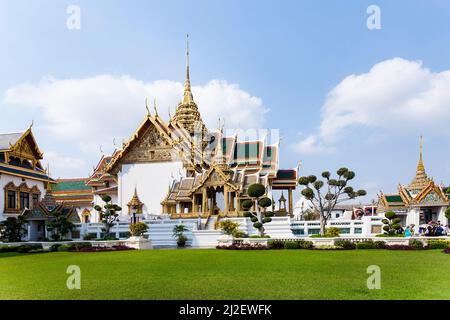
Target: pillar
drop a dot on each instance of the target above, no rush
(226, 199)
(204, 201)
(291, 206)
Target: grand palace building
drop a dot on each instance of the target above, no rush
(174, 169)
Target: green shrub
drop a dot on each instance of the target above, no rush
(90, 236)
(305, 244)
(138, 229)
(365, 245)
(8, 249)
(416, 244)
(291, 245)
(239, 234)
(54, 247)
(438, 244)
(332, 232)
(275, 244)
(64, 248)
(379, 244)
(229, 226)
(259, 237)
(25, 248)
(345, 244)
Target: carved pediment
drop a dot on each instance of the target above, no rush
(149, 146)
(432, 194)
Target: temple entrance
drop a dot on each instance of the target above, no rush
(216, 200)
(36, 230)
(428, 214)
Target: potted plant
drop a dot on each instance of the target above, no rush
(178, 234)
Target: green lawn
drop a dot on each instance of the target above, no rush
(217, 274)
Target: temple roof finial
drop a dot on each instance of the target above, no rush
(154, 106)
(187, 85)
(146, 106)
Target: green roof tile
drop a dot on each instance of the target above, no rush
(70, 185)
(394, 198)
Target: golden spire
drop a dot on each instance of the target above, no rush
(187, 114)
(420, 166)
(187, 85)
(421, 179)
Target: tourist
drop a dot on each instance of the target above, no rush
(408, 232)
(439, 231)
(446, 230)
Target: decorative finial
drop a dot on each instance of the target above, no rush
(187, 98)
(154, 106)
(101, 150)
(170, 115)
(114, 143)
(146, 106)
(421, 146)
(420, 166)
(31, 124)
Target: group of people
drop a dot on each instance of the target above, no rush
(431, 229)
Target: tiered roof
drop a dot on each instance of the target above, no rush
(74, 192)
(20, 156)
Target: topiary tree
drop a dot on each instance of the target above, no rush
(259, 216)
(391, 223)
(324, 196)
(108, 215)
(12, 229)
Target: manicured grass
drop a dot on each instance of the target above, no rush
(217, 274)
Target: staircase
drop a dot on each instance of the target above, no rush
(210, 223)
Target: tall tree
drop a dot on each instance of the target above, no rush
(324, 196)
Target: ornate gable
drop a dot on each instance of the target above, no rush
(431, 194)
(216, 177)
(148, 144)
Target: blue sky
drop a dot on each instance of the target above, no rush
(289, 54)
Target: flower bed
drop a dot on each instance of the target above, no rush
(243, 246)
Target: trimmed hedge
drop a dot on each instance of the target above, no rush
(345, 244)
(438, 244)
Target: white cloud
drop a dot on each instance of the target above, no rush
(396, 95)
(90, 112)
(60, 163)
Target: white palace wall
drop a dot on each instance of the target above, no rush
(151, 181)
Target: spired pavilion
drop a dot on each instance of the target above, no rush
(419, 202)
(181, 169)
